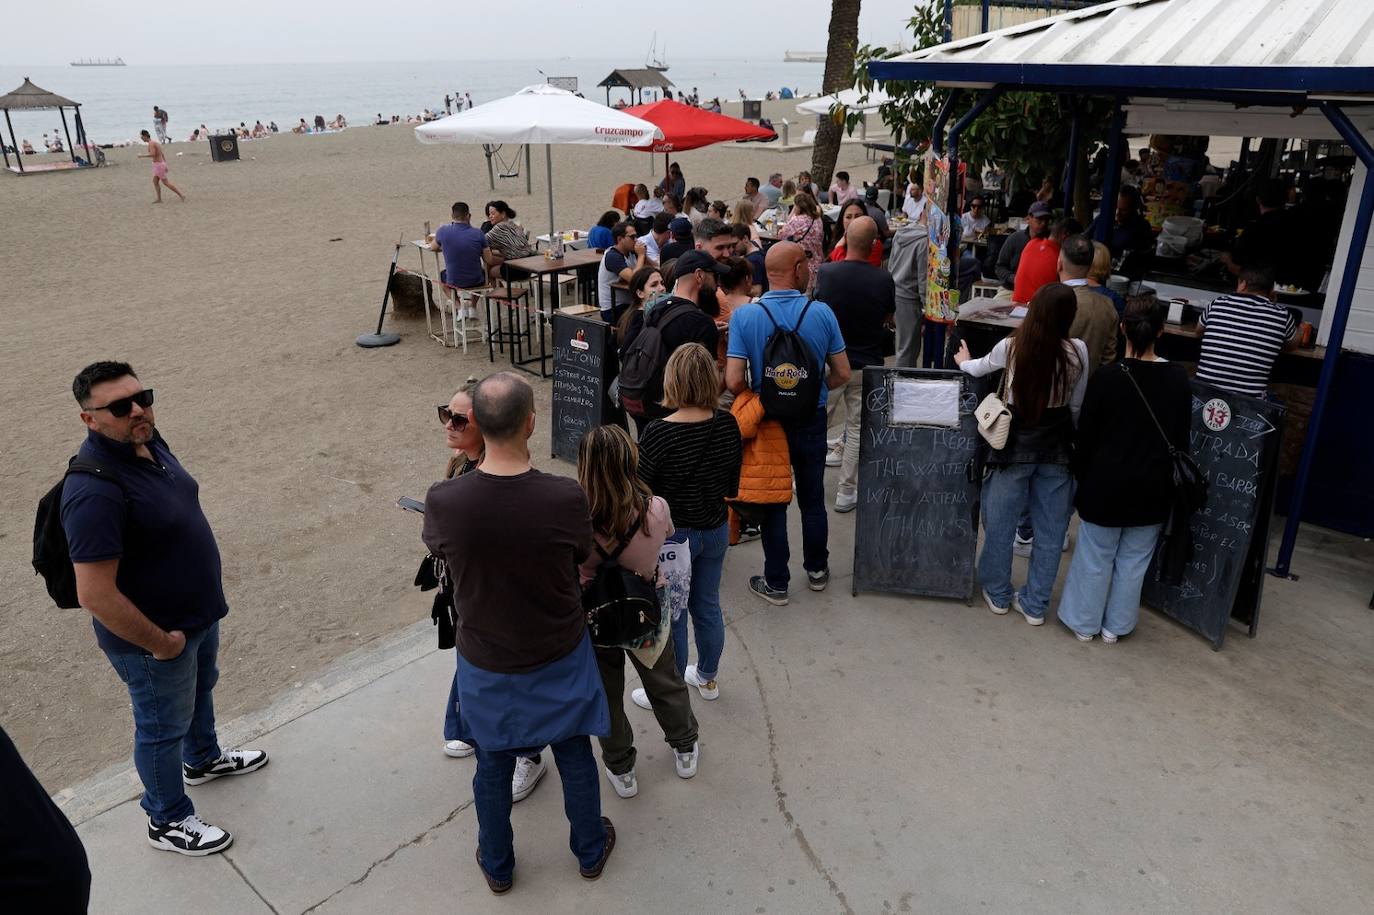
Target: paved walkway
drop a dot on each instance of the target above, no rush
(870, 755)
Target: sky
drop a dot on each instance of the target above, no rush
(307, 31)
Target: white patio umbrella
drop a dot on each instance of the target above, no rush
(849, 98)
(541, 114)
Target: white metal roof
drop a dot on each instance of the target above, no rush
(1268, 42)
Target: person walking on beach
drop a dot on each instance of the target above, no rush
(160, 124)
(159, 167)
(527, 674)
(148, 571)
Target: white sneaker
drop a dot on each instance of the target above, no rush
(687, 762)
(846, 503)
(193, 837)
(708, 688)
(1087, 638)
(457, 749)
(834, 457)
(231, 762)
(992, 604)
(1033, 620)
(527, 776)
(626, 785)
(1022, 545)
(1109, 638)
(641, 698)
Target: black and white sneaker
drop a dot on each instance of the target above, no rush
(234, 762)
(191, 836)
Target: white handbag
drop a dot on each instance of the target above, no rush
(994, 419)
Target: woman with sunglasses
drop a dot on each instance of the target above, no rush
(467, 447)
(624, 509)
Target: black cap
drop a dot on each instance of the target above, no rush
(1041, 209)
(698, 260)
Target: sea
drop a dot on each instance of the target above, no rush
(117, 102)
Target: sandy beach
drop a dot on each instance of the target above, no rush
(240, 308)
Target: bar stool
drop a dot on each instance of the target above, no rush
(500, 333)
(458, 315)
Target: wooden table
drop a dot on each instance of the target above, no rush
(535, 267)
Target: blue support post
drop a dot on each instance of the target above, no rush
(955, 202)
(986, 5)
(949, 21)
(1111, 181)
(1359, 238)
(1075, 140)
(937, 132)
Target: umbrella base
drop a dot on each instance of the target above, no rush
(371, 341)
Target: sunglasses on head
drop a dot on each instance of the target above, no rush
(447, 417)
(125, 405)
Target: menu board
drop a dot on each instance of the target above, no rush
(1235, 441)
(916, 526)
(579, 380)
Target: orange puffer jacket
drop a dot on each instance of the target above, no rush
(765, 476)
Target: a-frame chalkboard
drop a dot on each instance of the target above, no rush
(916, 528)
(1236, 444)
(579, 381)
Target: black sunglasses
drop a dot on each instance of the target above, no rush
(125, 405)
(448, 417)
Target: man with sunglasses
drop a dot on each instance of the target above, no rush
(148, 570)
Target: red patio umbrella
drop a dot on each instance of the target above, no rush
(688, 127)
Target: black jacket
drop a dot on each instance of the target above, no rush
(1122, 463)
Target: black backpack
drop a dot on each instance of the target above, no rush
(791, 384)
(641, 365)
(622, 607)
(51, 557)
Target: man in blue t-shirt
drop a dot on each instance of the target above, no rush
(465, 250)
(750, 328)
(148, 570)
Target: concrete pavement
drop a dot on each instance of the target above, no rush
(870, 755)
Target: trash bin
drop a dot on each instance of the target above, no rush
(224, 148)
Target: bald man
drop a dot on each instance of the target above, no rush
(784, 305)
(864, 299)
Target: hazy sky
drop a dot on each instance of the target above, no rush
(255, 31)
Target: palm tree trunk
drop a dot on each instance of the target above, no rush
(839, 74)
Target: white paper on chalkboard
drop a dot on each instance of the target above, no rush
(925, 402)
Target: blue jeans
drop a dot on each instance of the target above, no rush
(1108, 569)
(708, 549)
(451, 710)
(174, 719)
(491, 794)
(806, 442)
(1048, 490)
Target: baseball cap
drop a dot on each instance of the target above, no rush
(1040, 208)
(681, 227)
(698, 260)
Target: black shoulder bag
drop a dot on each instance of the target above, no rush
(622, 606)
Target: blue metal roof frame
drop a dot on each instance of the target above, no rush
(1289, 50)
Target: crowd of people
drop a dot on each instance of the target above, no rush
(738, 385)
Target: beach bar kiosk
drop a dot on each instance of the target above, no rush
(1250, 68)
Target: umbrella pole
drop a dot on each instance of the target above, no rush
(374, 340)
(18, 153)
(491, 175)
(529, 187)
(548, 166)
(71, 150)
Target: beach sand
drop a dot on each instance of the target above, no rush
(240, 308)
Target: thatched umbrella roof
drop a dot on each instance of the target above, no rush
(29, 96)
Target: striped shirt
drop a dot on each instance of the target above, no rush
(1241, 337)
(694, 467)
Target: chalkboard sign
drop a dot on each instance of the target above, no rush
(916, 528)
(579, 380)
(1235, 441)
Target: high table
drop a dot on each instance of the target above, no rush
(536, 267)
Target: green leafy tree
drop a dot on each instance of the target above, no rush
(1025, 134)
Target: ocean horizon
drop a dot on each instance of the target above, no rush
(117, 102)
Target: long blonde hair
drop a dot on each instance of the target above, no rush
(608, 470)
